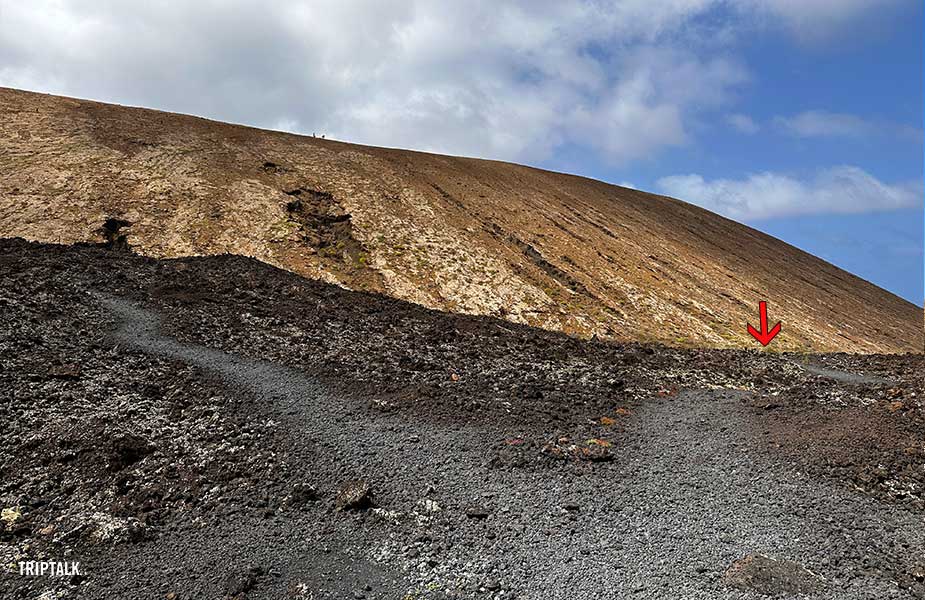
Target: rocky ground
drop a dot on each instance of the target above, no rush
(217, 428)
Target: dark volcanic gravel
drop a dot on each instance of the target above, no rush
(217, 428)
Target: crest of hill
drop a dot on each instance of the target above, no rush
(474, 236)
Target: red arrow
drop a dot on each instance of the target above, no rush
(764, 336)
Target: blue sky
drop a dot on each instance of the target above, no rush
(874, 82)
(802, 119)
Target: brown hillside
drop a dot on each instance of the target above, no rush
(474, 236)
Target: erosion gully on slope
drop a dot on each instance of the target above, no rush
(683, 499)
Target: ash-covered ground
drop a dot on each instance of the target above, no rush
(218, 428)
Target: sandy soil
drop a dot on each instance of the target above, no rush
(546, 249)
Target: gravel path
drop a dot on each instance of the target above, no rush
(841, 376)
(687, 494)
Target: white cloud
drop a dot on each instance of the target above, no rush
(511, 80)
(743, 124)
(651, 106)
(843, 189)
(819, 20)
(819, 123)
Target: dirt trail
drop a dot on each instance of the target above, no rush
(841, 376)
(686, 495)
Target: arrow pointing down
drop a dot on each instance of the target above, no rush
(764, 336)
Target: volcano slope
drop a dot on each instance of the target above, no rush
(218, 428)
(463, 235)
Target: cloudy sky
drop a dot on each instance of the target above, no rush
(802, 118)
